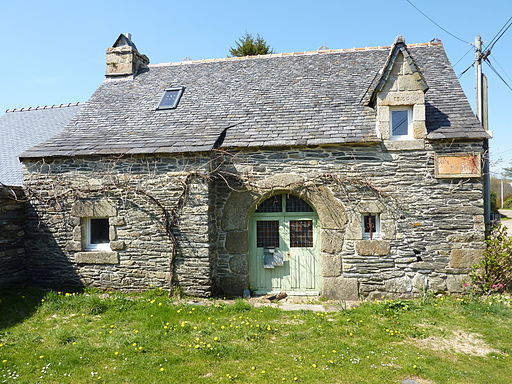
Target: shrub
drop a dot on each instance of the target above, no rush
(494, 272)
(507, 204)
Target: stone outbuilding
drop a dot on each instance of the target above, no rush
(343, 173)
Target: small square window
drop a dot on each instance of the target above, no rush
(371, 226)
(170, 98)
(401, 121)
(96, 232)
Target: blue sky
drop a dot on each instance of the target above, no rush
(53, 52)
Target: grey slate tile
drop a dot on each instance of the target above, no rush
(22, 129)
(268, 101)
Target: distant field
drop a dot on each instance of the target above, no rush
(50, 337)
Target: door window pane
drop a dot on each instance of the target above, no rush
(301, 233)
(296, 204)
(272, 204)
(267, 234)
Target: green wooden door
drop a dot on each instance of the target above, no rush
(285, 226)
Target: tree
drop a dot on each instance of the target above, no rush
(507, 173)
(248, 45)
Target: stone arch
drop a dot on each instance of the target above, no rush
(239, 207)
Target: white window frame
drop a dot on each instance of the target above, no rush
(376, 234)
(409, 135)
(87, 236)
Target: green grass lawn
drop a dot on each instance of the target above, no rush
(50, 337)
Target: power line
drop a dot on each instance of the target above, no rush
(458, 61)
(497, 74)
(498, 35)
(467, 69)
(448, 32)
(501, 67)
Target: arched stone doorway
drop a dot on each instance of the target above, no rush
(284, 251)
(233, 271)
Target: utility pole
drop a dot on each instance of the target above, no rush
(481, 113)
(501, 200)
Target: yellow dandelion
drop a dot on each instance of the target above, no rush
(4, 361)
(41, 356)
(314, 365)
(116, 353)
(295, 378)
(162, 369)
(134, 344)
(263, 371)
(252, 368)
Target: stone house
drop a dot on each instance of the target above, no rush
(345, 173)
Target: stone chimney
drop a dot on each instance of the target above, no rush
(123, 58)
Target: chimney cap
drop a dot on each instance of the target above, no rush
(124, 39)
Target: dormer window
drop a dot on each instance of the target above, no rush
(401, 123)
(170, 98)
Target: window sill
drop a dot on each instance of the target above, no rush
(97, 257)
(373, 247)
(404, 144)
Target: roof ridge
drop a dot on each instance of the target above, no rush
(304, 53)
(55, 106)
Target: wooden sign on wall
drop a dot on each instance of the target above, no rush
(457, 165)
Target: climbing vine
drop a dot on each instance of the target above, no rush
(128, 182)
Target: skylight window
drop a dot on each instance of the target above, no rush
(171, 98)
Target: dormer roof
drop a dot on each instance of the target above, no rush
(379, 81)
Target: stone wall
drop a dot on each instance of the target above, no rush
(432, 229)
(12, 221)
(133, 194)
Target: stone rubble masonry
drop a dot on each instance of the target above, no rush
(431, 229)
(140, 247)
(12, 223)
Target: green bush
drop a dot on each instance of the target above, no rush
(494, 272)
(507, 204)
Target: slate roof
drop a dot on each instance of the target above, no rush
(306, 98)
(23, 128)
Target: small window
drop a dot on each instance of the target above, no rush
(401, 121)
(371, 226)
(96, 234)
(171, 98)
